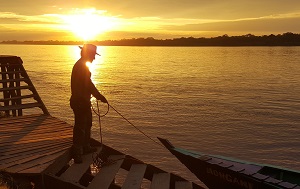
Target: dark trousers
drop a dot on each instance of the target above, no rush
(82, 129)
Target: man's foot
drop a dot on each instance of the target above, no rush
(89, 149)
(77, 158)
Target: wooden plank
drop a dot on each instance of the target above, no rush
(12, 72)
(161, 181)
(24, 118)
(28, 122)
(16, 88)
(36, 137)
(34, 124)
(183, 185)
(47, 158)
(54, 128)
(151, 170)
(21, 106)
(23, 159)
(76, 171)
(10, 60)
(107, 174)
(58, 127)
(15, 158)
(30, 152)
(59, 163)
(36, 169)
(135, 176)
(41, 145)
(18, 98)
(18, 84)
(35, 129)
(42, 138)
(12, 148)
(16, 141)
(31, 123)
(53, 182)
(13, 80)
(17, 136)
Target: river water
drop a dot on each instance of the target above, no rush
(240, 102)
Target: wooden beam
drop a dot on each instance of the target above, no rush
(13, 80)
(59, 164)
(12, 149)
(7, 120)
(107, 173)
(76, 171)
(135, 176)
(161, 181)
(31, 161)
(183, 185)
(53, 182)
(17, 98)
(11, 72)
(16, 88)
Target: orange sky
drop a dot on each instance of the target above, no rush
(119, 19)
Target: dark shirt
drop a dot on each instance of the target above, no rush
(82, 86)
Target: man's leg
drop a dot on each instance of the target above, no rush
(78, 135)
(86, 146)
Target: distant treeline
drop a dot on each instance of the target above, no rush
(285, 39)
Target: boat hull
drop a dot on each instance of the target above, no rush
(217, 172)
(216, 177)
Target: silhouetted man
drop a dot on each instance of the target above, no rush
(82, 88)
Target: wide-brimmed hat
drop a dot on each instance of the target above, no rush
(90, 48)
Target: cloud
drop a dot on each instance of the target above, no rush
(275, 23)
(34, 35)
(157, 18)
(13, 18)
(200, 9)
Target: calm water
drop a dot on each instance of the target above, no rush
(241, 102)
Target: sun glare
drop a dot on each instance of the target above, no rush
(87, 24)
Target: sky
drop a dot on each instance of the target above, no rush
(79, 20)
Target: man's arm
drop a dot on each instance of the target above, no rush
(96, 93)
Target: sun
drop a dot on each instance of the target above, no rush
(87, 24)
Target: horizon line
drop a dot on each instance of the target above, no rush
(152, 38)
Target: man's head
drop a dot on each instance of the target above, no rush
(89, 51)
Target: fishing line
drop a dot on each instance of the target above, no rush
(134, 126)
(108, 108)
(101, 160)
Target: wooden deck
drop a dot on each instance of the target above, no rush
(29, 144)
(124, 172)
(38, 146)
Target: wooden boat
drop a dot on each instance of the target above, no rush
(220, 172)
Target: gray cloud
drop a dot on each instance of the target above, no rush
(261, 25)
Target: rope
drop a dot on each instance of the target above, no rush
(99, 120)
(135, 126)
(98, 112)
(101, 160)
